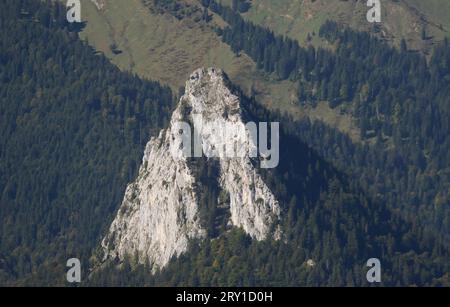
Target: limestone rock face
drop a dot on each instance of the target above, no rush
(160, 211)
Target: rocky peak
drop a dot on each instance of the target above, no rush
(160, 211)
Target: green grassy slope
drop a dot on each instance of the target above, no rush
(400, 18)
(164, 48)
(160, 46)
(436, 10)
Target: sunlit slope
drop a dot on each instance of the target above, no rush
(161, 47)
(156, 46)
(400, 19)
(437, 11)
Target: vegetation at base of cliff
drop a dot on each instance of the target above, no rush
(235, 260)
(326, 218)
(214, 209)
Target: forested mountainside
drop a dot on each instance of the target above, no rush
(73, 129)
(401, 103)
(73, 134)
(421, 23)
(330, 228)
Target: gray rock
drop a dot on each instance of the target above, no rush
(160, 211)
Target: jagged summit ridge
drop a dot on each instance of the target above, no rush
(160, 211)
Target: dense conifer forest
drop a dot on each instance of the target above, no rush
(327, 218)
(73, 129)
